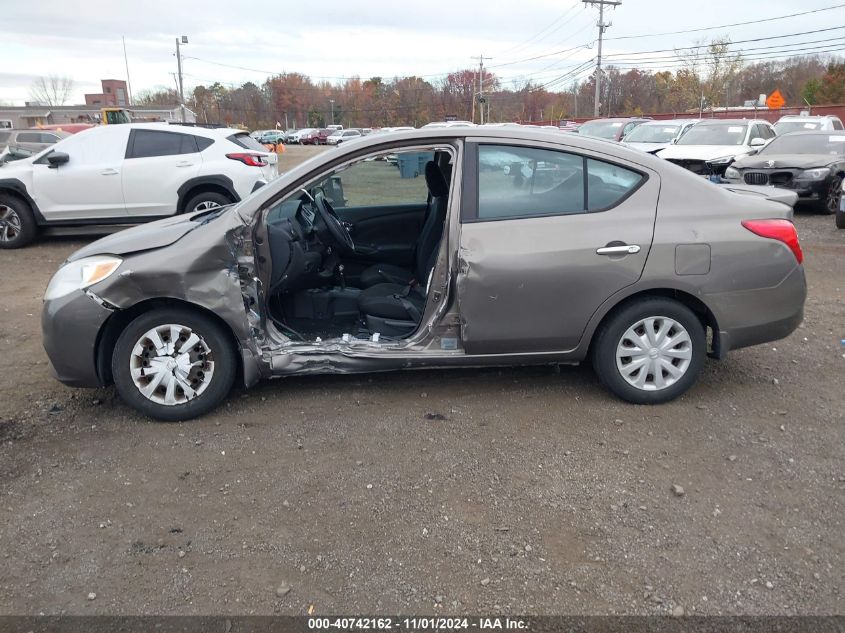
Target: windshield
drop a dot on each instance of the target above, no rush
(718, 134)
(652, 133)
(833, 144)
(785, 127)
(601, 129)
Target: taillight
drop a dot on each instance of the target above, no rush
(253, 160)
(781, 230)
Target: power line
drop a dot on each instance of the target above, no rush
(725, 26)
(546, 28)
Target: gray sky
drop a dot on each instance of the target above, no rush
(335, 39)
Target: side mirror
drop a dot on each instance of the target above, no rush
(757, 142)
(57, 158)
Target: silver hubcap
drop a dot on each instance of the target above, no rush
(206, 206)
(171, 365)
(10, 223)
(654, 353)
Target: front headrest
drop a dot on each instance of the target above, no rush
(436, 181)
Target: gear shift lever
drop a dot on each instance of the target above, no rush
(342, 278)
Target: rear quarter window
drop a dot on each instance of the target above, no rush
(247, 142)
(609, 184)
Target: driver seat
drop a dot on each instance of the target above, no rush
(429, 240)
(395, 309)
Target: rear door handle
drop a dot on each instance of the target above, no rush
(184, 163)
(109, 172)
(622, 249)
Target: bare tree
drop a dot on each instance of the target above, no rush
(53, 90)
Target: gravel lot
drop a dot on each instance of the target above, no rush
(516, 490)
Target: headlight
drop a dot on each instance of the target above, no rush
(732, 173)
(815, 174)
(81, 274)
(721, 161)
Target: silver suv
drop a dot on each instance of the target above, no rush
(31, 141)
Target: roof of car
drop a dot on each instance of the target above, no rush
(732, 121)
(815, 133)
(211, 132)
(805, 117)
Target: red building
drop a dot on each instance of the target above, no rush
(114, 94)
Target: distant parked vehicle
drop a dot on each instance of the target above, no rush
(611, 129)
(273, 137)
(296, 137)
(341, 136)
(654, 136)
(792, 123)
(126, 174)
(30, 140)
(710, 146)
(335, 127)
(812, 164)
(448, 124)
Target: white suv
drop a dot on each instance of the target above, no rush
(804, 123)
(125, 174)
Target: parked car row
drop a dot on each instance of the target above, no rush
(805, 154)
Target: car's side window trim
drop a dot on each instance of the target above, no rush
(470, 195)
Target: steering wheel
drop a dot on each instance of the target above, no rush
(342, 238)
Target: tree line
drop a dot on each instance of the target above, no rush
(707, 76)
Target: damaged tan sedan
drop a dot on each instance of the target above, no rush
(434, 248)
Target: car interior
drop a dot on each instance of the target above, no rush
(352, 253)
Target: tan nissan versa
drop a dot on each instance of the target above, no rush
(434, 248)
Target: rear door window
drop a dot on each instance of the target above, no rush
(29, 137)
(148, 143)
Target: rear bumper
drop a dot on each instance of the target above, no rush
(760, 316)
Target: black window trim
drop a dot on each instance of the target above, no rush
(470, 197)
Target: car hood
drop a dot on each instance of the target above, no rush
(797, 161)
(148, 236)
(649, 148)
(703, 152)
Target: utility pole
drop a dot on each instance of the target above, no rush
(602, 26)
(128, 83)
(331, 102)
(184, 40)
(480, 95)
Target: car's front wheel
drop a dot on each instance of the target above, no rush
(650, 351)
(17, 223)
(831, 203)
(174, 364)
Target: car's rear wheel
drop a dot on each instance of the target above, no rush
(17, 223)
(205, 201)
(831, 203)
(650, 351)
(174, 364)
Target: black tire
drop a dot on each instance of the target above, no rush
(18, 214)
(832, 200)
(221, 349)
(610, 335)
(209, 197)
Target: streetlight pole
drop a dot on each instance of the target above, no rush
(331, 103)
(184, 40)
